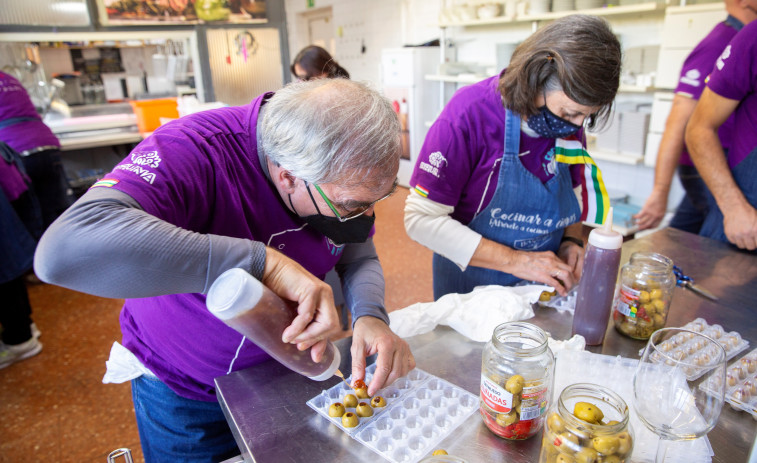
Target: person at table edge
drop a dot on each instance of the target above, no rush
(496, 219)
(284, 188)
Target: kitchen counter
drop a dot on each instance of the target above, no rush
(266, 405)
(93, 126)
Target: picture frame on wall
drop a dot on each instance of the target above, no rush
(180, 12)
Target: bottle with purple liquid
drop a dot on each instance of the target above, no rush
(245, 304)
(596, 289)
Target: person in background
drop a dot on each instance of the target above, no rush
(731, 89)
(22, 129)
(672, 152)
(284, 188)
(20, 226)
(496, 219)
(313, 62)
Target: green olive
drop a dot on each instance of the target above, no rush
(644, 297)
(555, 423)
(606, 445)
(611, 459)
(659, 305)
(655, 294)
(363, 409)
(362, 393)
(516, 401)
(336, 410)
(506, 419)
(439, 452)
(588, 412)
(659, 320)
(586, 455)
(566, 442)
(624, 443)
(562, 458)
(378, 402)
(349, 420)
(350, 401)
(514, 385)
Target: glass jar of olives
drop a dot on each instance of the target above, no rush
(643, 299)
(517, 374)
(587, 423)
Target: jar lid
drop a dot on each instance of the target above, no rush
(605, 237)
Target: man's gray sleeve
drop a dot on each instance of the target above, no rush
(362, 281)
(106, 245)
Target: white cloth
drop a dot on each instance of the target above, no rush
(123, 366)
(474, 315)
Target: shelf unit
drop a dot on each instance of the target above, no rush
(640, 8)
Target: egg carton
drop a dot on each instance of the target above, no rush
(421, 410)
(741, 384)
(684, 346)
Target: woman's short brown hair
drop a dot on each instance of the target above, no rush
(577, 54)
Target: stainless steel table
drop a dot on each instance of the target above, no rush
(266, 410)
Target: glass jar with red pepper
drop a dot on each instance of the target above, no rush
(517, 375)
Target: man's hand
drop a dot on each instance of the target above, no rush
(740, 226)
(317, 317)
(371, 335)
(653, 211)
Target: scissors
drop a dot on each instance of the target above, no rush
(686, 282)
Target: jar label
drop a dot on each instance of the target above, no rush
(495, 396)
(628, 301)
(534, 402)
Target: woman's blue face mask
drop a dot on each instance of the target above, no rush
(549, 125)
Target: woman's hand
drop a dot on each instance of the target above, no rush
(544, 267)
(317, 317)
(573, 255)
(371, 336)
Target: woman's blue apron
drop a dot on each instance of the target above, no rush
(524, 214)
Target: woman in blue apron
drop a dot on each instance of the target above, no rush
(493, 188)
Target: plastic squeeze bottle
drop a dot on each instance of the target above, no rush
(597, 286)
(246, 305)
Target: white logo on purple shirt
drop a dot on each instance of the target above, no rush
(692, 78)
(721, 61)
(150, 159)
(434, 163)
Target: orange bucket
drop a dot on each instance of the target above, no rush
(149, 112)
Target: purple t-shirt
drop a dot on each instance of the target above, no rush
(15, 102)
(696, 68)
(460, 159)
(735, 77)
(202, 173)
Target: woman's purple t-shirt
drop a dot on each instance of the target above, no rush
(459, 162)
(202, 173)
(735, 77)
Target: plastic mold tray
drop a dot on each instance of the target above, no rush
(741, 384)
(421, 410)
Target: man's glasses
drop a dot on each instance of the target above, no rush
(354, 213)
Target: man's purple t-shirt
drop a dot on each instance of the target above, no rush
(202, 173)
(459, 162)
(15, 102)
(735, 77)
(696, 68)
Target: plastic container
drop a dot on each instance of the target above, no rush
(643, 300)
(600, 273)
(421, 410)
(517, 374)
(243, 303)
(569, 438)
(149, 112)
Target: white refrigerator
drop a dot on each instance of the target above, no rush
(415, 99)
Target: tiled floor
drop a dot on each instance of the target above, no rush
(54, 407)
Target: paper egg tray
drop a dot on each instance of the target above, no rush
(741, 384)
(684, 346)
(421, 410)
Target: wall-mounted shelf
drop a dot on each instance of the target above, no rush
(649, 7)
